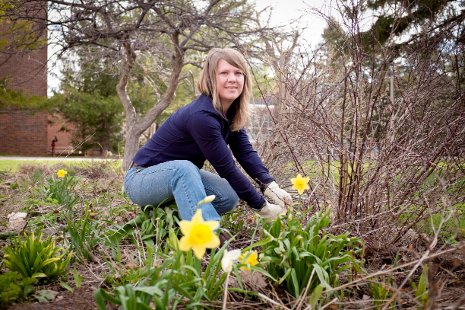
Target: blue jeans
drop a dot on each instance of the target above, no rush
(182, 181)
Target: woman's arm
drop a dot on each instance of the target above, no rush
(248, 158)
(205, 129)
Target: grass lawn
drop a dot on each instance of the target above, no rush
(12, 165)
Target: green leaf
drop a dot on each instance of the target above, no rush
(295, 282)
(39, 275)
(101, 296)
(66, 286)
(315, 296)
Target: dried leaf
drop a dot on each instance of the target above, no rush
(253, 279)
(46, 295)
(16, 221)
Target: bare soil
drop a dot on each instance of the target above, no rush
(82, 298)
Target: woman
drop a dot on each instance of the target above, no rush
(169, 165)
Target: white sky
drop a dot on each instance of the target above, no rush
(284, 13)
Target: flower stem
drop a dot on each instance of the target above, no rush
(254, 233)
(225, 296)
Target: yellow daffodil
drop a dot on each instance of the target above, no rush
(62, 173)
(249, 259)
(229, 258)
(198, 235)
(300, 183)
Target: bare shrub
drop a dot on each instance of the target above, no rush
(381, 132)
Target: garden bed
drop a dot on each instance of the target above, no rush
(121, 253)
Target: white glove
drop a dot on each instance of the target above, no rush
(278, 195)
(271, 211)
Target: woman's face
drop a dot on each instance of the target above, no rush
(229, 83)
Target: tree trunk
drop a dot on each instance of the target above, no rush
(135, 125)
(131, 145)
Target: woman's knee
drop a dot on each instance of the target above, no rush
(186, 168)
(227, 200)
(232, 201)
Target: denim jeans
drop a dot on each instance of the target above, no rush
(182, 181)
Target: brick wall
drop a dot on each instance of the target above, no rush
(26, 72)
(56, 123)
(23, 133)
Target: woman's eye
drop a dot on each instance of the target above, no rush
(225, 74)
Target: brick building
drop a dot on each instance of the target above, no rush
(25, 69)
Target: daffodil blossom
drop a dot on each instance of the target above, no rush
(227, 262)
(250, 259)
(198, 235)
(300, 183)
(207, 199)
(62, 173)
(229, 258)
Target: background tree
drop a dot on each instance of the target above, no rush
(87, 98)
(89, 101)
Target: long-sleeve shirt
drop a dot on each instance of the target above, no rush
(198, 132)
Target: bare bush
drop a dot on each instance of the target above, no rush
(381, 131)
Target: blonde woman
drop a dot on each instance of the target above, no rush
(169, 166)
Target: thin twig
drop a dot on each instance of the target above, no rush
(420, 261)
(379, 273)
(271, 301)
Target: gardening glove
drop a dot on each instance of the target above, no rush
(277, 195)
(271, 211)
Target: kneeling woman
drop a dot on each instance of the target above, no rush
(169, 166)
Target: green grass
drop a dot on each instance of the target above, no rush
(13, 165)
(453, 230)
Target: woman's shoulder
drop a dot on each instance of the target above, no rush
(202, 106)
(203, 102)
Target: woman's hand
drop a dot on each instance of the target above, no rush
(271, 211)
(278, 195)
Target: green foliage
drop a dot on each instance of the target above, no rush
(381, 292)
(59, 190)
(233, 221)
(129, 297)
(387, 26)
(187, 279)
(82, 230)
(421, 289)
(34, 257)
(13, 287)
(155, 229)
(13, 99)
(18, 34)
(98, 118)
(77, 278)
(305, 256)
(148, 271)
(452, 230)
(88, 100)
(9, 288)
(179, 278)
(152, 226)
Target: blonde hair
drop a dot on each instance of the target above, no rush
(207, 83)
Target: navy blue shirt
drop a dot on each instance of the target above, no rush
(198, 132)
